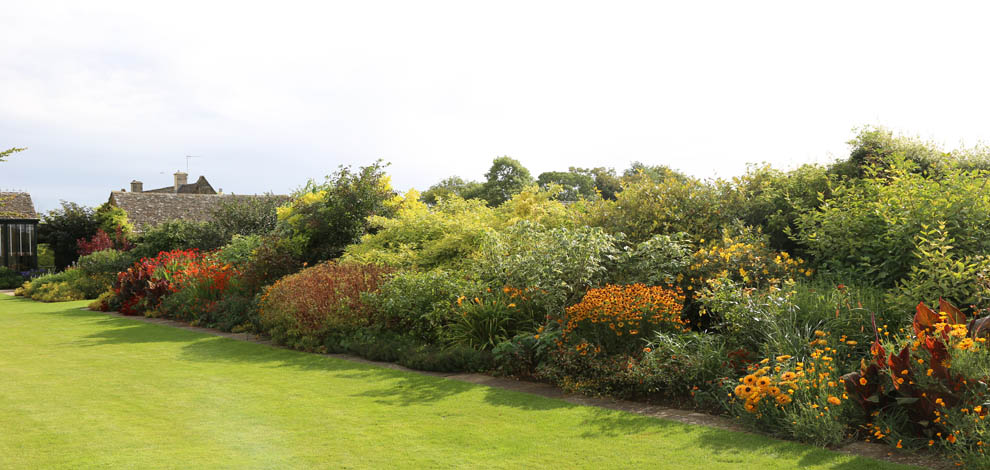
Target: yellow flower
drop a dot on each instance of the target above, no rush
(783, 399)
(834, 400)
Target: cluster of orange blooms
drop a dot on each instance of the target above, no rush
(627, 310)
(760, 385)
(779, 383)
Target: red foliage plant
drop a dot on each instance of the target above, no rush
(918, 377)
(302, 308)
(101, 241)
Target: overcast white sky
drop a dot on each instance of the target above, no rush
(272, 93)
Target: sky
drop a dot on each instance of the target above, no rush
(270, 94)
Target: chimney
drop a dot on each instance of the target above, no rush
(137, 186)
(180, 179)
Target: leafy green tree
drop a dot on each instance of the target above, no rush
(505, 178)
(656, 173)
(247, 216)
(574, 186)
(606, 182)
(452, 186)
(323, 218)
(110, 217)
(62, 227)
(6, 153)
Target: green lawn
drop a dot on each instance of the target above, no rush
(80, 389)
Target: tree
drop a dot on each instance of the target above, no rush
(323, 218)
(657, 173)
(452, 186)
(247, 215)
(606, 182)
(575, 185)
(6, 153)
(61, 228)
(504, 179)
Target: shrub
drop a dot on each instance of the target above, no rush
(743, 255)
(423, 303)
(239, 250)
(666, 205)
(867, 230)
(323, 218)
(656, 261)
(10, 279)
(178, 235)
(60, 228)
(940, 271)
(275, 257)
(57, 287)
(303, 310)
(555, 266)
(772, 199)
(444, 236)
(679, 364)
(523, 354)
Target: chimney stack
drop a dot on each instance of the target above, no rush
(180, 179)
(137, 186)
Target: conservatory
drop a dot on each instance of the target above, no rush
(18, 232)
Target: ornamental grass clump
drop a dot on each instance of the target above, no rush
(306, 309)
(491, 317)
(927, 387)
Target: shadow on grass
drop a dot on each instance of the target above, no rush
(722, 444)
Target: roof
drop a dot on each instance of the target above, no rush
(17, 206)
(146, 210)
(201, 186)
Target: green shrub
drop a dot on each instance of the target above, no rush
(656, 261)
(685, 364)
(239, 250)
(71, 284)
(324, 218)
(10, 279)
(668, 205)
(555, 266)
(523, 354)
(178, 235)
(421, 237)
(423, 303)
(940, 273)
(866, 231)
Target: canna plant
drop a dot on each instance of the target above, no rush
(917, 385)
